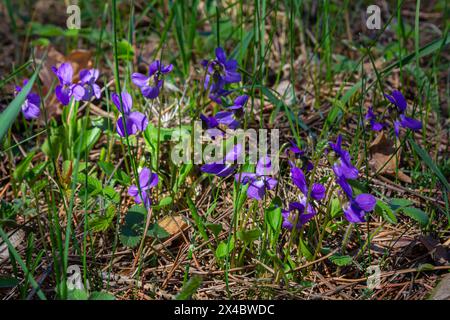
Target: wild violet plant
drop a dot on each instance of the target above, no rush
(221, 72)
(398, 114)
(358, 206)
(300, 212)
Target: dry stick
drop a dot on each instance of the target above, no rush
(395, 272)
(141, 246)
(175, 266)
(313, 262)
(400, 188)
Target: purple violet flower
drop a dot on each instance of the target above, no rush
(222, 117)
(31, 106)
(225, 167)
(345, 165)
(220, 71)
(376, 126)
(217, 95)
(86, 88)
(299, 179)
(64, 90)
(399, 101)
(260, 181)
(307, 165)
(295, 149)
(150, 85)
(211, 122)
(297, 208)
(239, 103)
(358, 207)
(227, 118)
(134, 121)
(147, 180)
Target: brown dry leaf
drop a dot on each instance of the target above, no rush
(80, 59)
(15, 238)
(172, 224)
(382, 161)
(442, 290)
(436, 250)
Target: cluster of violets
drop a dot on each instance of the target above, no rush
(300, 212)
(358, 206)
(397, 112)
(130, 123)
(219, 73)
(83, 90)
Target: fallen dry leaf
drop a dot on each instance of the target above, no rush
(436, 250)
(382, 160)
(15, 238)
(172, 224)
(442, 290)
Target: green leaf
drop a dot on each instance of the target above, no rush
(397, 203)
(240, 50)
(223, 249)
(341, 260)
(425, 267)
(11, 112)
(197, 219)
(94, 186)
(131, 231)
(101, 223)
(22, 167)
(336, 110)
(189, 288)
(122, 177)
(55, 140)
(77, 294)
(89, 139)
(106, 167)
(101, 295)
(273, 215)
(416, 214)
(385, 211)
(111, 194)
(336, 208)
(47, 30)
(305, 250)
(184, 171)
(249, 236)
(164, 202)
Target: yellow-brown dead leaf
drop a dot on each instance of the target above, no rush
(382, 160)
